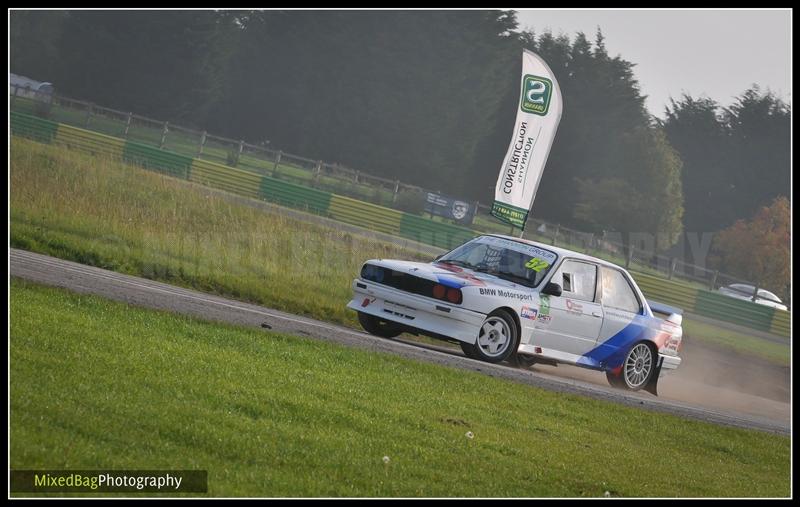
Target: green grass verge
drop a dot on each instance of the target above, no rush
(778, 353)
(108, 214)
(99, 384)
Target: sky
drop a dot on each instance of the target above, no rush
(716, 53)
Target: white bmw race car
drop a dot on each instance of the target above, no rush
(503, 298)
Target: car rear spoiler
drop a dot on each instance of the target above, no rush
(675, 315)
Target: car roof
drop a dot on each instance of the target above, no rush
(562, 252)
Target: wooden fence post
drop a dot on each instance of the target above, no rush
(396, 190)
(277, 161)
(164, 135)
(88, 114)
(555, 235)
(629, 257)
(713, 280)
(128, 125)
(202, 143)
(317, 170)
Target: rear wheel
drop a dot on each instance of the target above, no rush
(497, 338)
(378, 327)
(637, 369)
(615, 380)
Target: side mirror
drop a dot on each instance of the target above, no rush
(552, 289)
(438, 257)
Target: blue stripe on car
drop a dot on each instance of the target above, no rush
(611, 353)
(449, 282)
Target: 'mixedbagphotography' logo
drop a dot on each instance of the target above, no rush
(536, 93)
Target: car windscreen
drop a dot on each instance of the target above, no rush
(745, 290)
(765, 294)
(510, 260)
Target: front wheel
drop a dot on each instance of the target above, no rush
(523, 361)
(375, 326)
(497, 338)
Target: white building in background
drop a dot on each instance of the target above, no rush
(30, 88)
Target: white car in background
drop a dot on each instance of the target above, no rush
(745, 292)
(503, 298)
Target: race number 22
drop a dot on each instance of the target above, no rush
(536, 264)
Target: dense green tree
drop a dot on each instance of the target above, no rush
(736, 159)
(645, 197)
(405, 94)
(34, 48)
(695, 129)
(760, 129)
(155, 63)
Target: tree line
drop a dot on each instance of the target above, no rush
(427, 97)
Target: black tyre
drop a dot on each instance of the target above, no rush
(498, 338)
(378, 327)
(615, 380)
(469, 350)
(523, 361)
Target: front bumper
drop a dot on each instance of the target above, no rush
(419, 312)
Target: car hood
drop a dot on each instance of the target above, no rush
(446, 274)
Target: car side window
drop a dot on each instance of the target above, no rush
(577, 279)
(618, 293)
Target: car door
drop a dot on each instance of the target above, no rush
(573, 320)
(621, 306)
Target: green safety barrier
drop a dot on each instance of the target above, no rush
(666, 291)
(31, 127)
(226, 178)
(433, 233)
(88, 141)
(736, 311)
(367, 215)
(295, 196)
(157, 159)
(715, 305)
(781, 322)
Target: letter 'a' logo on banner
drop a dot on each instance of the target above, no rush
(536, 95)
(538, 116)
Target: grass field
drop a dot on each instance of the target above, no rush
(112, 215)
(98, 384)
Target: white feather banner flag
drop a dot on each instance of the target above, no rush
(539, 112)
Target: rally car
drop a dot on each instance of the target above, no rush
(505, 298)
